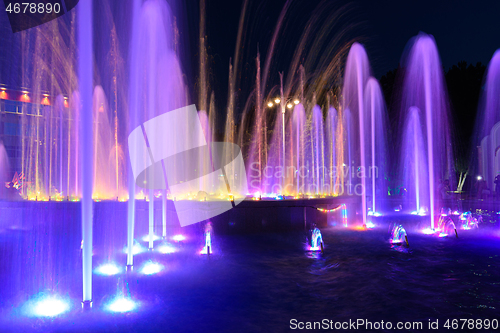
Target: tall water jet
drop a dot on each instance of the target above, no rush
(376, 126)
(156, 85)
(488, 123)
(4, 171)
(357, 73)
(414, 163)
(85, 70)
(424, 87)
(331, 148)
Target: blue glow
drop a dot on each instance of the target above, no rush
(121, 304)
(179, 238)
(370, 225)
(136, 249)
(47, 306)
(428, 231)
(146, 238)
(108, 269)
(151, 268)
(376, 214)
(166, 249)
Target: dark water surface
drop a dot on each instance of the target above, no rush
(259, 282)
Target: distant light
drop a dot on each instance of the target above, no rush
(45, 95)
(25, 92)
(479, 177)
(3, 88)
(151, 268)
(370, 225)
(121, 304)
(179, 238)
(289, 105)
(50, 306)
(277, 101)
(428, 231)
(166, 249)
(108, 269)
(443, 234)
(296, 102)
(146, 238)
(270, 104)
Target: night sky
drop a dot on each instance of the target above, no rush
(463, 30)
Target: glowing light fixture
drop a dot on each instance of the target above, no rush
(166, 249)
(48, 306)
(428, 231)
(151, 268)
(270, 104)
(136, 249)
(296, 102)
(277, 101)
(179, 238)
(370, 225)
(146, 238)
(108, 269)
(121, 304)
(289, 105)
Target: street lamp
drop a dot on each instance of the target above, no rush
(289, 105)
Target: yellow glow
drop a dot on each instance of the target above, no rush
(296, 102)
(277, 101)
(270, 104)
(289, 105)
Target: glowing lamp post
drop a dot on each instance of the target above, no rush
(288, 103)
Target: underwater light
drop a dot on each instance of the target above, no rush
(166, 249)
(146, 238)
(121, 304)
(442, 234)
(428, 231)
(49, 307)
(179, 238)
(370, 225)
(151, 268)
(136, 249)
(108, 269)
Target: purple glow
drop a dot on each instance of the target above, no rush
(108, 269)
(121, 304)
(46, 306)
(151, 268)
(179, 238)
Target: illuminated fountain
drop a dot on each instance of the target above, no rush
(376, 141)
(208, 249)
(424, 88)
(446, 226)
(468, 221)
(316, 240)
(488, 123)
(398, 235)
(357, 73)
(414, 164)
(156, 87)
(4, 168)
